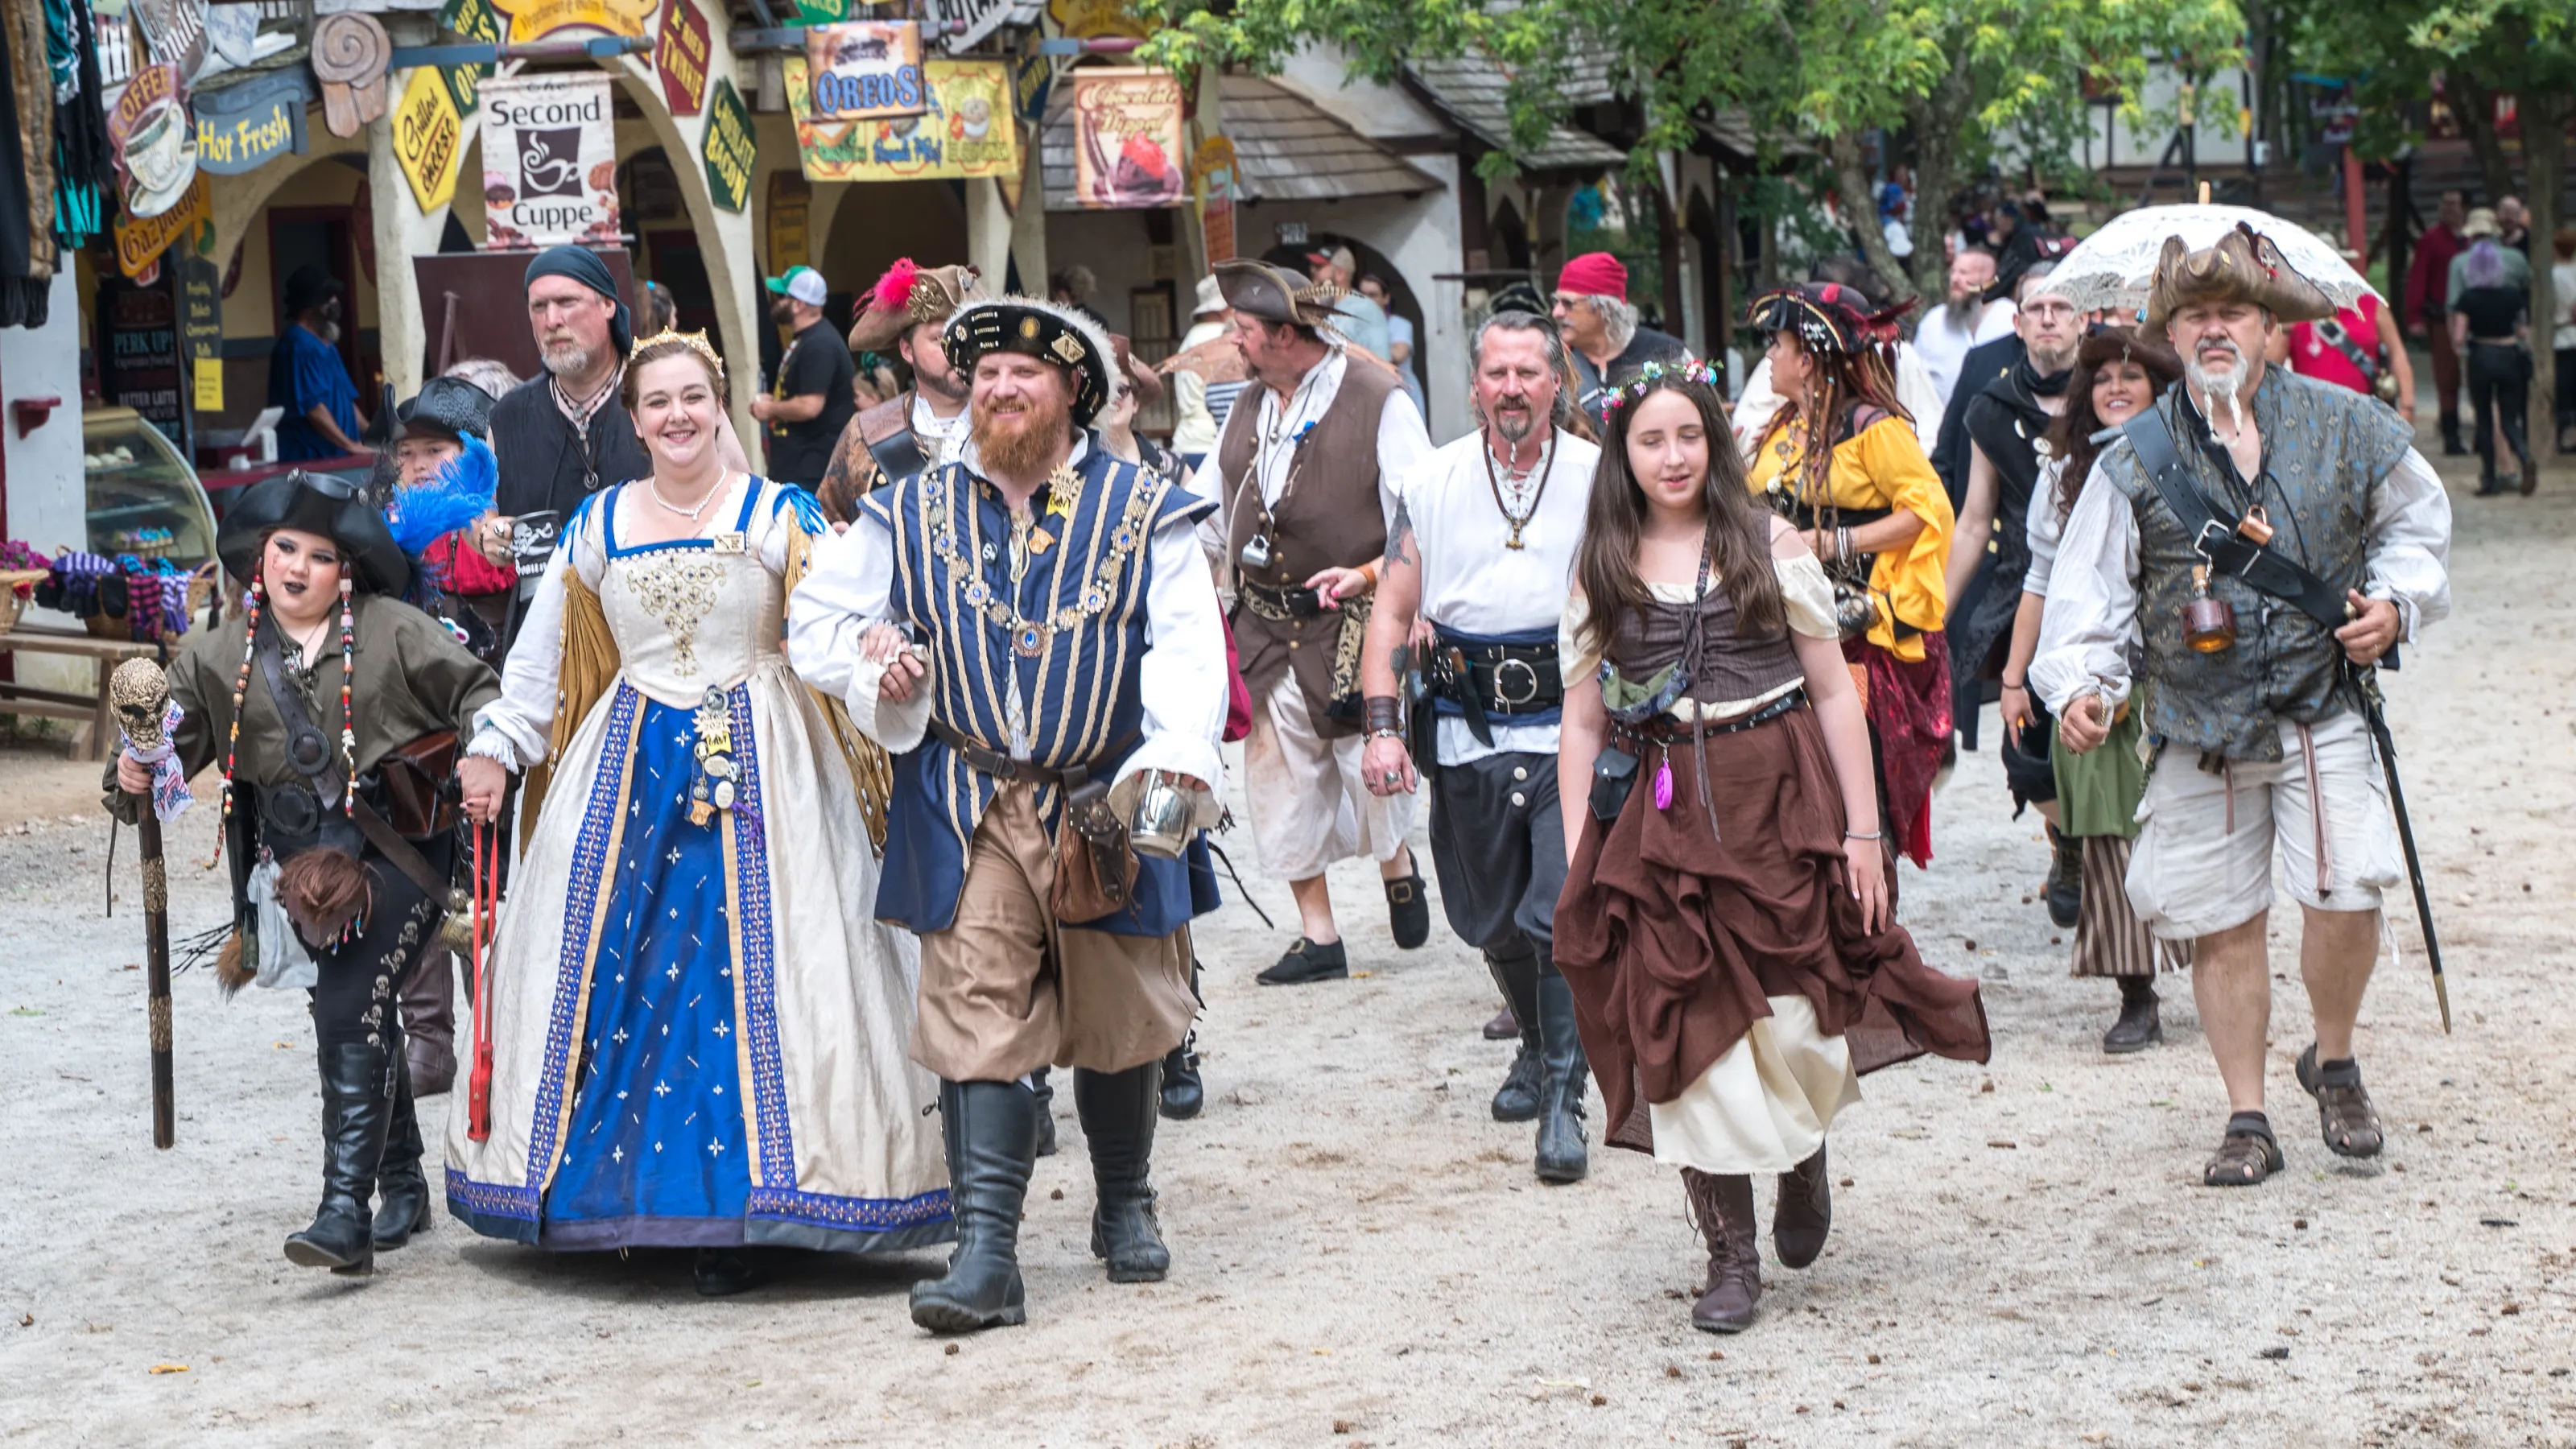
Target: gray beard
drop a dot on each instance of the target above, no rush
(572, 361)
(329, 330)
(1967, 313)
(1514, 429)
(2212, 389)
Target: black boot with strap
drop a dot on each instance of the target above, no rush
(991, 1133)
(1118, 1110)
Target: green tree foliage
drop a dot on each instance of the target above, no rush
(1958, 79)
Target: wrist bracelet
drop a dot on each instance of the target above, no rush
(1857, 835)
(2022, 684)
(1385, 714)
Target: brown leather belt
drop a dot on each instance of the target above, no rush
(1002, 766)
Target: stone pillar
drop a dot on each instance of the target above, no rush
(731, 256)
(1028, 228)
(402, 231)
(989, 231)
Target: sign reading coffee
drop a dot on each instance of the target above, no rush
(549, 161)
(241, 128)
(154, 142)
(864, 70)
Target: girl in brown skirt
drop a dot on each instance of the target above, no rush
(1724, 929)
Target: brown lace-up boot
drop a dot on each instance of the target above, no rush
(1724, 1208)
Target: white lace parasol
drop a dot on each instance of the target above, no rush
(2110, 269)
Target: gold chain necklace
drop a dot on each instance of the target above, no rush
(1519, 521)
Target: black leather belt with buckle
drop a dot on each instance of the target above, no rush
(1282, 604)
(1485, 680)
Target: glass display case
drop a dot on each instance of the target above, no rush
(144, 499)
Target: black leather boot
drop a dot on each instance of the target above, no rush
(1805, 1212)
(1117, 1110)
(1561, 1155)
(1044, 1091)
(1517, 1099)
(357, 1104)
(2065, 877)
(1183, 1092)
(2140, 1025)
(991, 1131)
(402, 1188)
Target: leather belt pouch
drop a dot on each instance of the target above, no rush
(1095, 869)
(1614, 774)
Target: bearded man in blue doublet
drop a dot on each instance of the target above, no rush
(1027, 630)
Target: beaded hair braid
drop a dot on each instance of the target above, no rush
(241, 685)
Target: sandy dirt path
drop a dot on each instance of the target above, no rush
(2021, 1254)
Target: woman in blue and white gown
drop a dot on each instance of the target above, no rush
(699, 1031)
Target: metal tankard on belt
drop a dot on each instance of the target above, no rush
(1159, 826)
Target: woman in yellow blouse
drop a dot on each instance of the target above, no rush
(1876, 514)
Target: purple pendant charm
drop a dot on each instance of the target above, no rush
(1664, 784)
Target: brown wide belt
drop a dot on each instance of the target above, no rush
(1002, 766)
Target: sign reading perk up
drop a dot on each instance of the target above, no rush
(549, 161)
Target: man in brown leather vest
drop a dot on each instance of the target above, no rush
(902, 314)
(1305, 477)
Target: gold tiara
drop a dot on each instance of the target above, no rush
(694, 341)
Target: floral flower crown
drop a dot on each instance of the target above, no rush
(694, 341)
(1689, 369)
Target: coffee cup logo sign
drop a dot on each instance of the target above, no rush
(154, 141)
(865, 70)
(549, 161)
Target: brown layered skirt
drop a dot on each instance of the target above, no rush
(1672, 938)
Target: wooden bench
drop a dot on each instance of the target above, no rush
(90, 709)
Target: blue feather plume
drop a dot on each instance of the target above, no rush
(461, 493)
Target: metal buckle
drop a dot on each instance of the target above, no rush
(1506, 699)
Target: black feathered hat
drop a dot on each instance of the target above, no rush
(1041, 330)
(448, 405)
(328, 504)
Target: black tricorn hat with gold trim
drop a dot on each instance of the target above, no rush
(1041, 330)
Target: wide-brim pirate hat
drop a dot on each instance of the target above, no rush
(908, 295)
(1271, 294)
(328, 504)
(1826, 317)
(2242, 266)
(1041, 330)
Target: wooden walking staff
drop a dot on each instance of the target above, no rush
(141, 695)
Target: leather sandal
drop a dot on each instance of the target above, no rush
(2249, 1155)
(2349, 1124)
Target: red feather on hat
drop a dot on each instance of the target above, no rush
(893, 291)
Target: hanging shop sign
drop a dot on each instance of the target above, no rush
(864, 70)
(730, 146)
(244, 127)
(549, 161)
(174, 31)
(350, 52)
(1127, 149)
(967, 131)
(153, 140)
(475, 20)
(1212, 171)
(680, 51)
(1032, 78)
(535, 19)
(1091, 19)
(140, 241)
(429, 138)
(825, 12)
(141, 369)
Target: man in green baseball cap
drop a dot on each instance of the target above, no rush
(810, 401)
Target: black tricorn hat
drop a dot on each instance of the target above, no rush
(449, 405)
(328, 504)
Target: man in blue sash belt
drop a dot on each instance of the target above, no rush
(1483, 547)
(2260, 540)
(1032, 632)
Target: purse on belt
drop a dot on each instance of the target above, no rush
(1095, 867)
